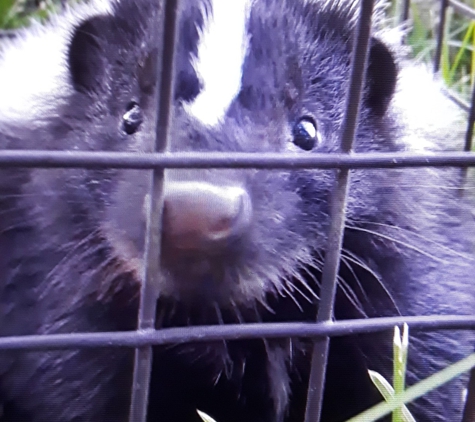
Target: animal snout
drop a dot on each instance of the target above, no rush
(204, 217)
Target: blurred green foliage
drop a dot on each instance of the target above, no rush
(17, 13)
(458, 60)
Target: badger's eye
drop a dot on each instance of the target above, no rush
(305, 133)
(132, 118)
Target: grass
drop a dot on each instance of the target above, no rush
(457, 66)
(17, 13)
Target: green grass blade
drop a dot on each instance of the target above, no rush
(417, 390)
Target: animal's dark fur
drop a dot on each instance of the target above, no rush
(71, 241)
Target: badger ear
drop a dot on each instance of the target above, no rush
(381, 77)
(87, 65)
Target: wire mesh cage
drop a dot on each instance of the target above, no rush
(146, 336)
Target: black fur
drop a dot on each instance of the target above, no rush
(71, 241)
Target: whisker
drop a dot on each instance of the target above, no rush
(415, 235)
(351, 296)
(347, 262)
(399, 242)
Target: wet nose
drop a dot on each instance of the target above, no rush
(204, 217)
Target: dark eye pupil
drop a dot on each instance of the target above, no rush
(305, 134)
(132, 119)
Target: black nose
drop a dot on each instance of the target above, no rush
(204, 217)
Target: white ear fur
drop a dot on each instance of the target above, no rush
(33, 67)
(430, 120)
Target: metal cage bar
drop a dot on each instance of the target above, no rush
(203, 333)
(462, 8)
(337, 213)
(128, 160)
(149, 292)
(468, 12)
(440, 34)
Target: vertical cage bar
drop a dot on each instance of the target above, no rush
(337, 212)
(471, 121)
(405, 10)
(469, 408)
(148, 296)
(440, 34)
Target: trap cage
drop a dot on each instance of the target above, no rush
(146, 336)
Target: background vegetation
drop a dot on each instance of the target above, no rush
(458, 59)
(17, 13)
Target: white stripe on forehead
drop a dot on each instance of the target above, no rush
(221, 52)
